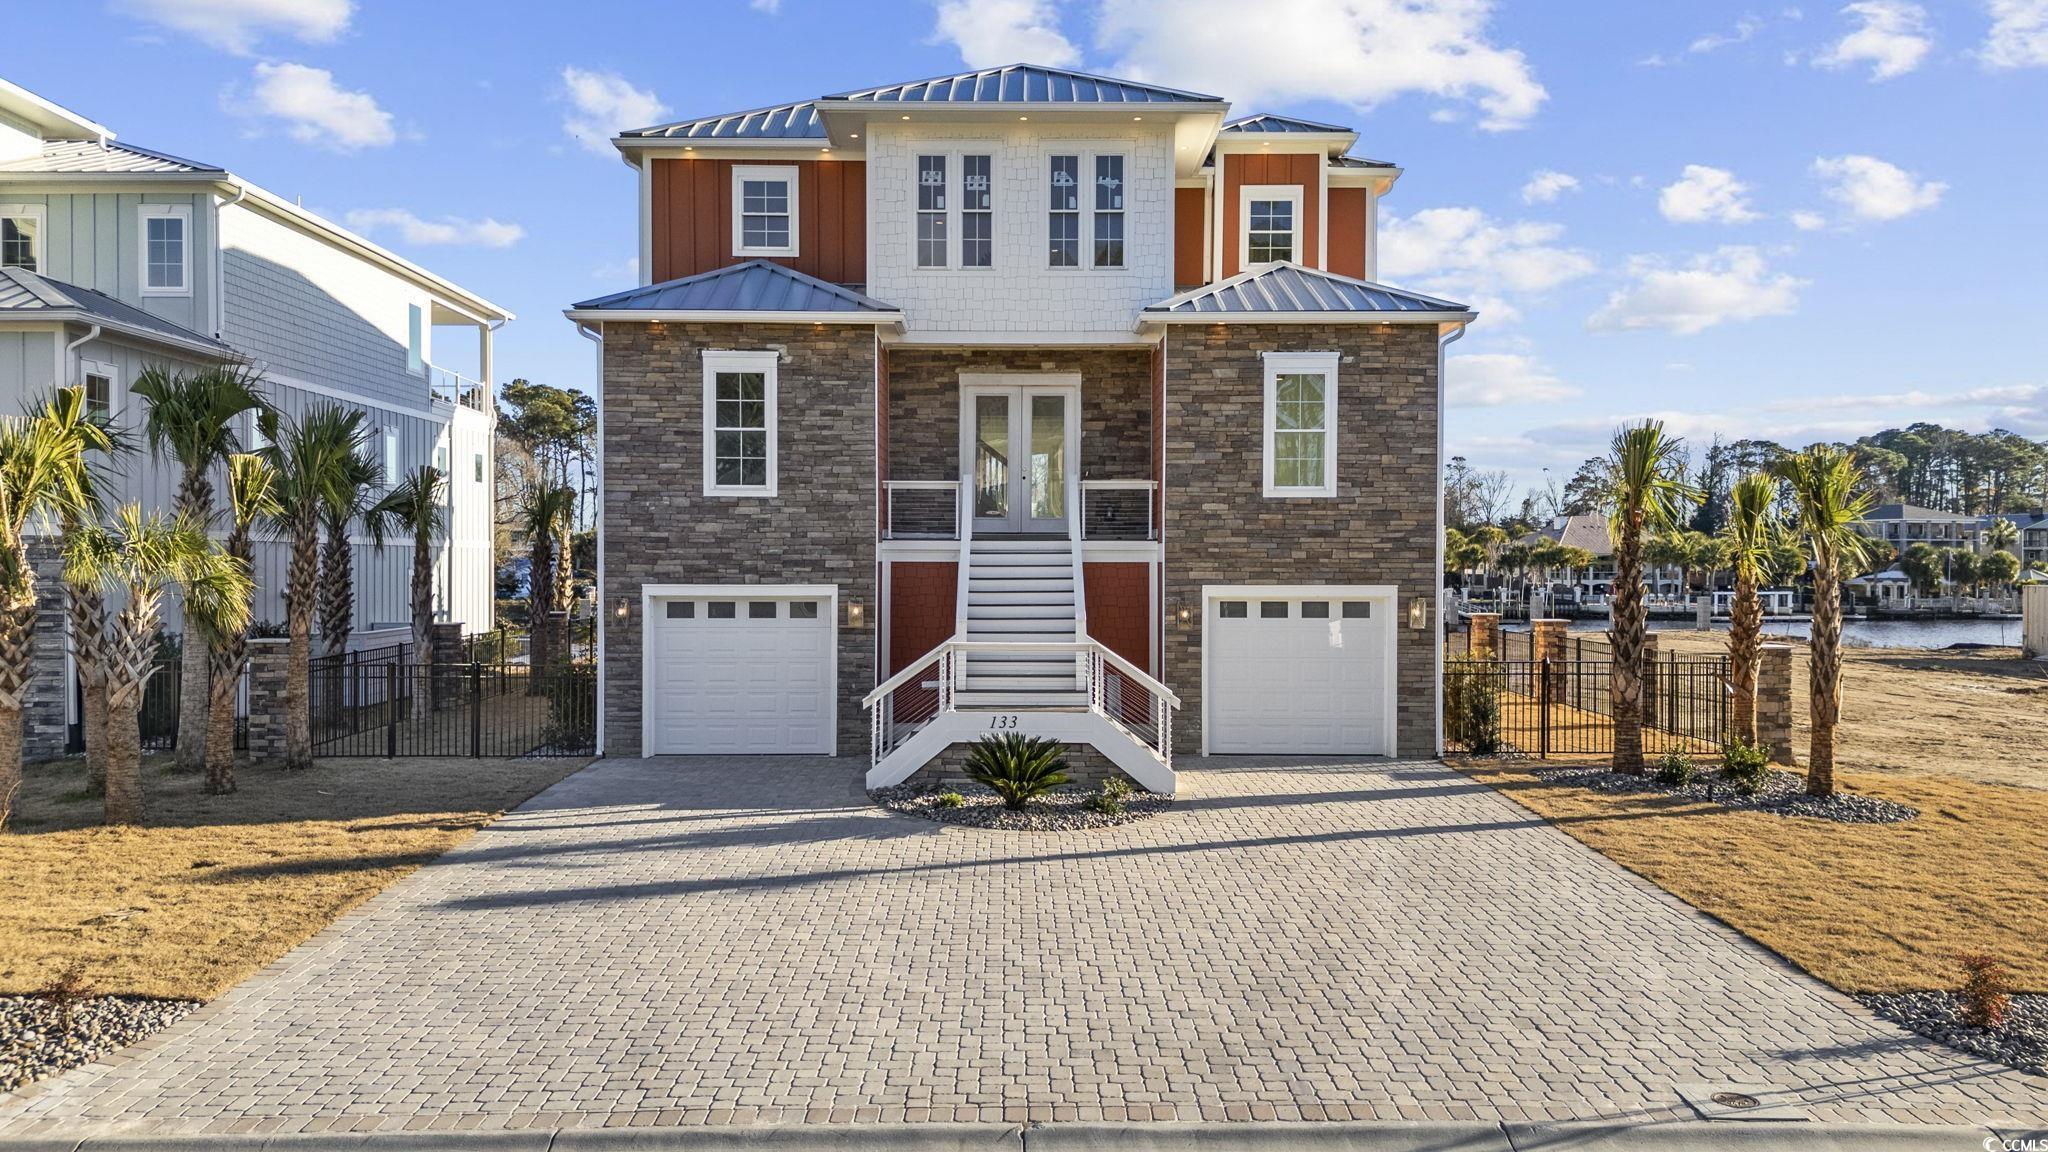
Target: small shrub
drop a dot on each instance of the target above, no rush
(1986, 993)
(1675, 770)
(1016, 767)
(1472, 706)
(1745, 765)
(64, 994)
(1109, 800)
(948, 800)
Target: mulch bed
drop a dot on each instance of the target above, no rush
(37, 1041)
(2021, 1041)
(1784, 794)
(1066, 810)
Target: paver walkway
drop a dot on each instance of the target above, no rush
(679, 942)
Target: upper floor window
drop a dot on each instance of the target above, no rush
(977, 212)
(415, 341)
(1301, 424)
(1063, 224)
(931, 211)
(166, 250)
(764, 219)
(21, 236)
(1270, 228)
(739, 423)
(1109, 211)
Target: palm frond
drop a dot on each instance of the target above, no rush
(192, 414)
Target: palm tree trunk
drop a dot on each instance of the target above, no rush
(1745, 649)
(124, 751)
(195, 500)
(10, 760)
(1625, 673)
(17, 665)
(1824, 683)
(87, 609)
(423, 621)
(540, 603)
(225, 679)
(337, 611)
(300, 579)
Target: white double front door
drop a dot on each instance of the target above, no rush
(1017, 444)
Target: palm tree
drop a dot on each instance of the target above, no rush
(1646, 472)
(252, 496)
(84, 605)
(414, 508)
(1750, 536)
(337, 591)
(192, 417)
(2002, 535)
(42, 473)
(140, 556)
(313, 457)
(1828, 500)
(545, 510)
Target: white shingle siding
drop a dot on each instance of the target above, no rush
(1021, 294)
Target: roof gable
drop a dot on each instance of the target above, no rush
(26, 295)
(756, 286)
(1284, 289)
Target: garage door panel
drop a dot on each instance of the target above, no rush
(741, 683)
(1298, 684)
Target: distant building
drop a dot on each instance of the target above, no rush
(1904, 525)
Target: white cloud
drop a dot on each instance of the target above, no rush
(239, 25)
(990, 32)
(1728, 284)
(604, 104)
(1745, 30)
(1493, 379)
(1466, 255)
(1546, 186)
(618, 270)
(767, 7)
(1890, 35)
(1809, 221)
(411, 229)
(2018, 36)
(1704, 195)
(317, 111)
(1359, 52)
(1872, 189)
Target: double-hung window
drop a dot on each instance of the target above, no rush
(1109, 211)
(764, 210)
(931, 211)
(98, 379)
(1270, 223)
(1301, 423)
(977, 212)
(166, 250)
(21, 236)
(739, 423)
(1063, 221)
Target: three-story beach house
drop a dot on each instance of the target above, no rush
(114, 258)
(1017, 400)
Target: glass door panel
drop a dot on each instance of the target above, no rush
(1048, 478)
(992, 450)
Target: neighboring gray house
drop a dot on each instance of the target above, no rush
(115, 257)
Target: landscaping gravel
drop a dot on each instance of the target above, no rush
(1784, 794)
(2021, 1041)
(1062, 811)
(35, 1041)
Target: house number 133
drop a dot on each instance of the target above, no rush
(1002, 722)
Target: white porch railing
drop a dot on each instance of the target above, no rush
(456, 388)
(1117, 690)
(1117, 509)
(922, 509)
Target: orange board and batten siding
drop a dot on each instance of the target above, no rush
(1300, 168)
(1348, 207)
(921, 606)
(692, 218)
(1190, 225)
(1120, 609)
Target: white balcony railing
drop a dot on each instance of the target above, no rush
(456, 388)
(922, 509)
(1118, 510)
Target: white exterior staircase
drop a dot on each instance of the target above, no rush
(1021, 592)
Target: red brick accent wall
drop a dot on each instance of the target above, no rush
(1120, 609)
(922, 599)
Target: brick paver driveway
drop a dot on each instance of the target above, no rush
(675, 941)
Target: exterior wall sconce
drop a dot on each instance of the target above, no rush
(620, 609)
(1418, 613)
(1185, 614)
(856, 614)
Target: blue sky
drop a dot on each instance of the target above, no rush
(1796, 222)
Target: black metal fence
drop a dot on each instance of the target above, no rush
(406, 708)
(1552, 708)
(159, 717)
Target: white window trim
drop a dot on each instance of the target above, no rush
(182, 213)
(41, 215)
(1277, 364)
(1250, 192)
(1088, 238)
(389, 460)
(113, 375)
(766, 363)
(416, 357)
(956, 153)
(1085, 171)
(741, 173)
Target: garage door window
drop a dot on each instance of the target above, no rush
(1315, 609)
(803, 610)
(1273, 610)
(761, 610)
(1231, 609)
(1358, 609)
(724, 610)
(682, 609)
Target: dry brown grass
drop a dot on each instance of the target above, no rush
(215, 887)
(1867, 908)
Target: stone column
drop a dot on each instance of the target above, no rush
(46, 701)
(1483, 634)
(1546, 642)
(444, 652)
(268, 659)
(1774, 703)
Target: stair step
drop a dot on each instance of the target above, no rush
(1008, 571)
(1020, 665)
(1022, 612)
(1002, 701)
(1009, 628)
(1056, 683)
(1063, 598)
(1000, 544)
(976, 585)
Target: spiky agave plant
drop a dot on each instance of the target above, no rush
(1016, 767)
(1828, 500)
(1648, 492)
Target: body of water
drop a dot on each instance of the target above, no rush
(1866, 633)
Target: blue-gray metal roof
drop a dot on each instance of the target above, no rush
(94, 156)
(25, 295)
(1360, 162)
(797, 121)
(755, 286)
(1023, 84)
(1267, 122)
(1291, 288)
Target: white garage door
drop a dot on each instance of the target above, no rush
(731, 675)
(1305, 674)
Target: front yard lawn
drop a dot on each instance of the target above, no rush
(215, 887)
(1865, 907)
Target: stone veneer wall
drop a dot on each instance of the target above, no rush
(923, 422)
(1380, 528)
(660, 528)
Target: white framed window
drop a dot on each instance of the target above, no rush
(954, 206)
(740, 423)
(391, 469)
(1269, 224)
(1301, 423)
(21, 236)
(1063, 218)
(977, 211)
(415, 340)
(257, 441)
(931, 211)
(764, 210)
(166, 235)
(97, 378)
(1109, 211)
